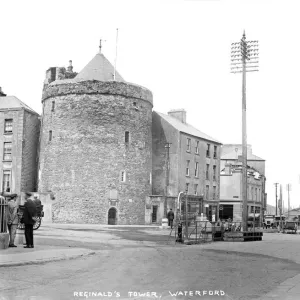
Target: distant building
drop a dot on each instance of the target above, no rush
(19, 137)
(191, 164)
(231, 199)
(293, 214)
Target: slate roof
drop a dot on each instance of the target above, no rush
(99, 68)
(10, 102)
(234, 156)
(186, 128)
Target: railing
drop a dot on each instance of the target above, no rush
(196, 231)
(3, 215)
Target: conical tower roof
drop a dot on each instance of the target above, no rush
(99, 68)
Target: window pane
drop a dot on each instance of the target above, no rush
(8, 125)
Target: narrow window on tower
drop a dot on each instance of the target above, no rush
(50, 135)
(123, 176)
(126, 137)
(53, 106)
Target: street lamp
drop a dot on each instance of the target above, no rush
(244, 58)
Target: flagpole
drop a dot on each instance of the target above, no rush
(116, 55)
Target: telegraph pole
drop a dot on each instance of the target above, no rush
(288, 186)
(167, 146)
(276, 195)
(244, 58)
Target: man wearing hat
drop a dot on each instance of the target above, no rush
(12, 218)
(29, 213)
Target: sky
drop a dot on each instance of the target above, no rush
(180, 50)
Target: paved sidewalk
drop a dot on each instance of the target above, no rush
(39, 254)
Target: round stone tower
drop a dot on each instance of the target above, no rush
(96, 146)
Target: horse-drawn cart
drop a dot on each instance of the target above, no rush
(38, 218)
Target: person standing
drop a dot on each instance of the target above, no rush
(170, 217)
(12, 219)
(29, 213)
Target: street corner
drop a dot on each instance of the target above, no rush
(40, 254)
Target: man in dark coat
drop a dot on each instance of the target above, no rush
(170, 217)
(29, 213)
(12, 218)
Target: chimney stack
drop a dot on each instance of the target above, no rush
(70, 67)
(179, 114)
(1, 93)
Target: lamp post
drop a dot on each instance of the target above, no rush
(244, 58)
(167, 146)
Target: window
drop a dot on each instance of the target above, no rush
(252, 193)
(207, 192)
(188, 145)
(7, 151)
(8, 126)
(123, 176)
(255, 194)
(214, 172)
(214, 192)
(126, 137)
(187, 170)
(196, 169)
(197, 147)
(187, 187)
(6, 181)
(50, 135)
(208, 150)
(252, 209)
(53, 106)
(207, 172)
(196, 189)
(258, 195)
(215, 151)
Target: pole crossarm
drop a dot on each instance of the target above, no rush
(244, 54)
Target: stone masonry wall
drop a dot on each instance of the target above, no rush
(82, 164)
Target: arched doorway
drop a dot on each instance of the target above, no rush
(112, 216)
